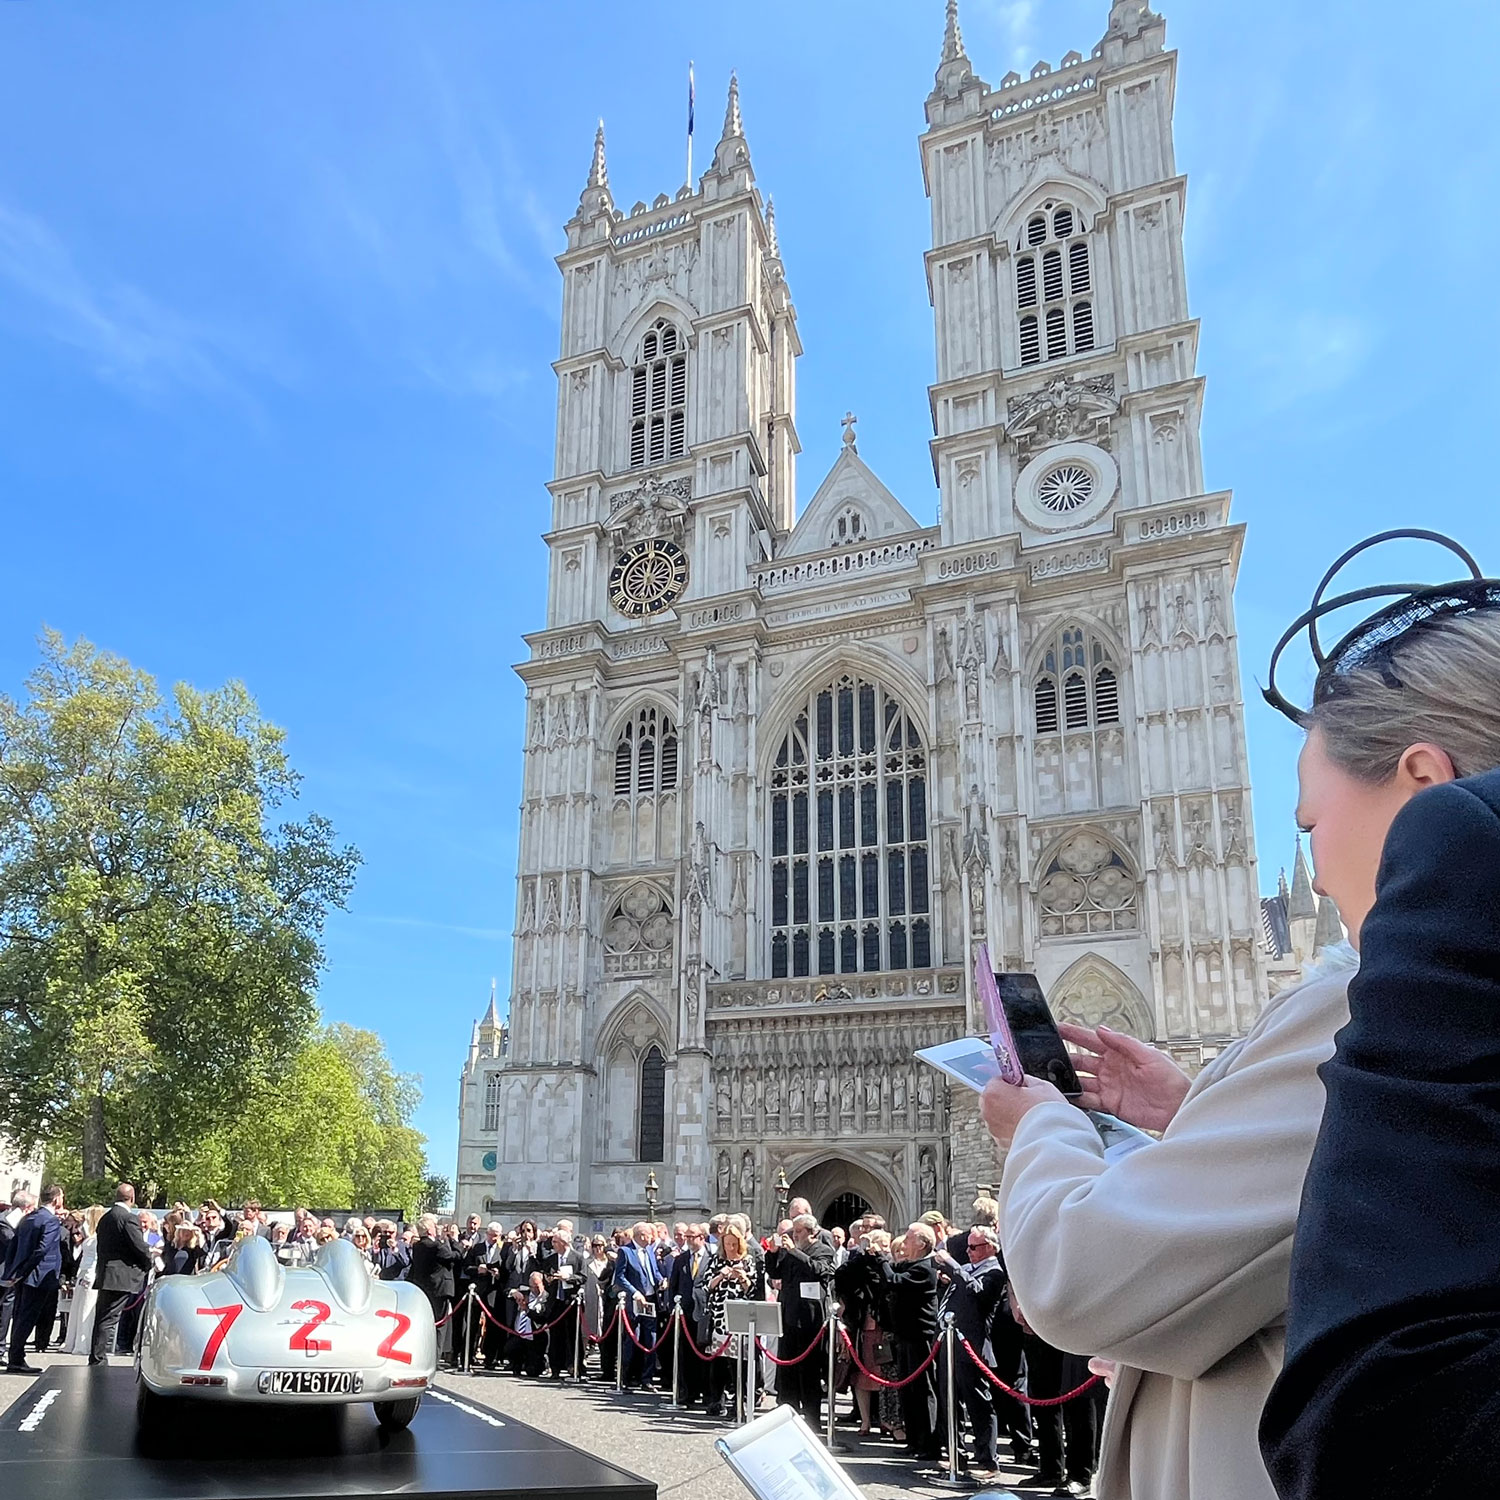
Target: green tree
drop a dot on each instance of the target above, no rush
(437, 1193)
(160, 930)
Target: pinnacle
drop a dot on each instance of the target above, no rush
(599, 171)
(953, 37)
(734, 126)
(775, 244)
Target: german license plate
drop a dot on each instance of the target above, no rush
(311, 1383)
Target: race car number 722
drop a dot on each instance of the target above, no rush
(388, 1349)
(226, 1317)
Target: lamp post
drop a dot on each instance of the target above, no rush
(986, 1190)
(652, 1193)
(783, 1194)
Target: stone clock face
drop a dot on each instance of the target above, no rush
(647, 578)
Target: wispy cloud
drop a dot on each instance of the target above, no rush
(127, 336)
(480, 934)
(1016, 21)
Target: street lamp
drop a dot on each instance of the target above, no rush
(783, 1193)
(986, 1190)
(652, 1193)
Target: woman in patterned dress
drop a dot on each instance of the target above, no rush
(730, 1278)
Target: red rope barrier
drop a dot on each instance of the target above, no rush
(711, 1354)
(783, 1364)
(535, 1332)
(630, 1333)
(608, 1329)
(1025, 1400)
(884, 1384)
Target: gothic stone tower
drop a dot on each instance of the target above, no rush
(784, 773)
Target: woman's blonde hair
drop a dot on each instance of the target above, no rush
(1440, 684)
(91, 1216)
(731, 1232)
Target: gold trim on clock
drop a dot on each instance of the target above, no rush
(647, 578)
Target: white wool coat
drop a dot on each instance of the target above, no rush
(1173, 1261)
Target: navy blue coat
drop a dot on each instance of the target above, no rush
(632, 1276)
(36, 1252)
(1391, 1385)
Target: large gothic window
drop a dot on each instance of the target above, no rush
(658, 398)
(849, 872)
(1077, 686)
(491, 1102)
(646, 755)
(1054, 285)
(651, 1144)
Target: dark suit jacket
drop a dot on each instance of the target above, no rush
(801, 1317)
(562, 1292)
(36, 1252)
(124, 1256)
(680, 1284)
(973, 1299)
(1394, 1324)
(911, 1299)
(632, 1276)
(432, 1263)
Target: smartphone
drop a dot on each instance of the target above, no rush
(1024, 1035)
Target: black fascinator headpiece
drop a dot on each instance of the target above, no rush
(1370, 645)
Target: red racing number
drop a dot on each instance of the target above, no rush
(388, 1349)
(321, 1313)
(226, 1317)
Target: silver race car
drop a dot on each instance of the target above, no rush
(254, 1331)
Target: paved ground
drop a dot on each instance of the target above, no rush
(640, 1432)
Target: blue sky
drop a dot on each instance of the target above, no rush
(277, 311)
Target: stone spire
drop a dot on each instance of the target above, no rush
(955, 70)
(733, 150)
(1330, 930)
(596, 194)
(1302, 903)
(774, 249)
(953, 38)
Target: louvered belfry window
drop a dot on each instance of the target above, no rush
(1078, 677)
(646, 755)
(1054, 286)
(850, 885)
(658, 398)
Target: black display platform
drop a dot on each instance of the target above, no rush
(74, 1434)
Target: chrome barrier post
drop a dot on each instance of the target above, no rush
(676, 1353)
(620, 1347)
(469, 1330)
(951, 1481)
(832, 1337)
(580, 1310)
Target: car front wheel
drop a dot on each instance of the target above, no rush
(151, 1410)
(393, 1416)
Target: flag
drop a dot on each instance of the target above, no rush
(690, 101)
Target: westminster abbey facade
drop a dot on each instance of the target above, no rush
(787, 765)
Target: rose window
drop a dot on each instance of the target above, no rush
(1066, 488)
(1087, 888)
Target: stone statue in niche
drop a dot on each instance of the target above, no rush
(927, 1174)
(820, 1096)
(925, 1093)
(747, 1178)
(749, 1095)
(846, 1095)
(698, 871)
(796, 1097)
(872, 1096)
(1009, 868)
(944, 656)
(725, 1101)
(976, 832)
(898, 1094)
(705, 734)
(722, 1182)
(773, 1097)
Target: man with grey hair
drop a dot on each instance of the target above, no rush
(803, 1265)
(973, 1296)
(912, 1295)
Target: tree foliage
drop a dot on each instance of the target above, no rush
(160, 935)
(437, 1194)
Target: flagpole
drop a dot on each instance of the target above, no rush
(690, 127)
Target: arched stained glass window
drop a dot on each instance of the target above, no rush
(850, 885)
(651, 1145)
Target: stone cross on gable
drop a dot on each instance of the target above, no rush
(848, 425)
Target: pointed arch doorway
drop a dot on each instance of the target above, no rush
(841, 1190)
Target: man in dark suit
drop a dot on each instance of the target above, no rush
(120, 1272)
(433, 1257)
(973, 1296)
(911, 1302)
(803, 1263)
(34, 1268)
(487, 1268)
(562, 1270)
(21, 1204)
(686, 1269)
(1394, 1322)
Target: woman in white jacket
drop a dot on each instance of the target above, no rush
(1174, 1261)
(81, 1314)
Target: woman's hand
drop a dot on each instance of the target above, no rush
(1126, 1078)
(1004, 1105)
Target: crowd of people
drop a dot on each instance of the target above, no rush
(511, 1301)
